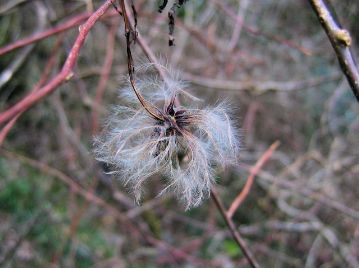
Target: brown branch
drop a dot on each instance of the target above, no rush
(341, 42)
(253, 172)
(131, 32)
(135, 227)
(254, 31)
(307, 192)
(105, 74)
(42, 35)
(260, 86)
(235, 234)
(145, 47)
(65, 74)
(27, 227)
(72, 184)
(44, 77)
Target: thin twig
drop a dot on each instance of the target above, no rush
(64, 75)
(135, 227)
(42, 35)
(21, 56)
(105, 74)
(8, 5)
(309, 193)
(341, 42)
(7, 74)
(131, 32)
(242, 7)
(235, 234)
(39, 216)
(253, 172)
(44, 77)
(260, 86)
(254, 31)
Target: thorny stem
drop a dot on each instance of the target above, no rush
(149, 107)
(341, 42)
(235, 234)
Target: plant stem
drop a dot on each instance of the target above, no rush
(341, 42)
(235, 234)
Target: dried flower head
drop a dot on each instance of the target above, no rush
(180, 142)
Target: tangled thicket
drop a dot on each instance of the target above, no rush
(58, 208)
(184, 143)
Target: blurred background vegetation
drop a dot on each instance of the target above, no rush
(58, 208)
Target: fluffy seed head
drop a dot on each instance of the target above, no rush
(184, 143)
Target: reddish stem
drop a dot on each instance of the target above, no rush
(105, 74)
(42, 35)
(232, 228)
(63, 76)
(253, 172)
(49, 65)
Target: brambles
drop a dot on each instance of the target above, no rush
(300, 209)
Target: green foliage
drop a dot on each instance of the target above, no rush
(232, 248)
(23, 194)
(16, 196)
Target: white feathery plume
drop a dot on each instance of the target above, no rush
(184, 143)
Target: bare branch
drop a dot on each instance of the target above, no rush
(105, 75)
(42, 35)
(341, 42)
(236, 236)
(253, 172)
(63, 76)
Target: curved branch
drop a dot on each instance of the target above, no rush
(65, 74)
(41, 35)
